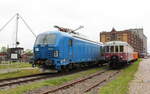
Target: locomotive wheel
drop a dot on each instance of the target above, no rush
(65, 68)
(70, 66)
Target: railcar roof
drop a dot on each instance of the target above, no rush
(116, 43)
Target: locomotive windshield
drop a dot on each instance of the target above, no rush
(46, 39)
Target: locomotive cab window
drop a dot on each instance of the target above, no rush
(121, 48)
(46, 39)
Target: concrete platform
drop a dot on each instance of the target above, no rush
(141, 82)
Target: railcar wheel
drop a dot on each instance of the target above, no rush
(113, 65)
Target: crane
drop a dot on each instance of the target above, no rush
(17, 16)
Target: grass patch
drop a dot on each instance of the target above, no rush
(121, 84)
(15, 65)
(19, 73)
(51, 82)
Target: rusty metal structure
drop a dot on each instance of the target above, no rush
(17, 17)
(16, 51)
(134, 37)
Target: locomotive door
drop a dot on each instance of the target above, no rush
(70, 49)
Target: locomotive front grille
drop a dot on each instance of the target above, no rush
(50, 54)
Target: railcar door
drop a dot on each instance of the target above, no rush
(70, 49)
(101, 53)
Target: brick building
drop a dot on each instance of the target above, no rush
(3, 56)
(134, 37)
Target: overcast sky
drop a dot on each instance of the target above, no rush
(95, 15)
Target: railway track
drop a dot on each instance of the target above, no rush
(24, 79)
(10, 82)
(82, 85)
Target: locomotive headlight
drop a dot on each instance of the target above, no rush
(63, 60)
(56, 54)
(107, 57)
(36, 49)
(121, 56)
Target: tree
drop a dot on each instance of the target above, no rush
(3, 49)
(28, 51)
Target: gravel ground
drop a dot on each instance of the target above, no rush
(141, 82)
(78, 88)
(97, 89)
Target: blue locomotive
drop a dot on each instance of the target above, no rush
(65, 50)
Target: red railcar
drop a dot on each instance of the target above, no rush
(118, 53)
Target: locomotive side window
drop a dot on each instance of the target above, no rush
(112, 48)
(70, 42)
(116, 48)
(121, 48)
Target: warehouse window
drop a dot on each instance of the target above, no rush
(116, 48)
(108, 39)
(121, 48)
(119, 38)
(112, 48)
(113, 36)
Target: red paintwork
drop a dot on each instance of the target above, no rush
(125, 56)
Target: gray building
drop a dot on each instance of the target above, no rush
(139, 32)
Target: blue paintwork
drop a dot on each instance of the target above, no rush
(81, 51)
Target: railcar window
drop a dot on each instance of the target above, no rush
(112, 48)
(121, 49)
(116, 48)
(46, 39)
(107, 48)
